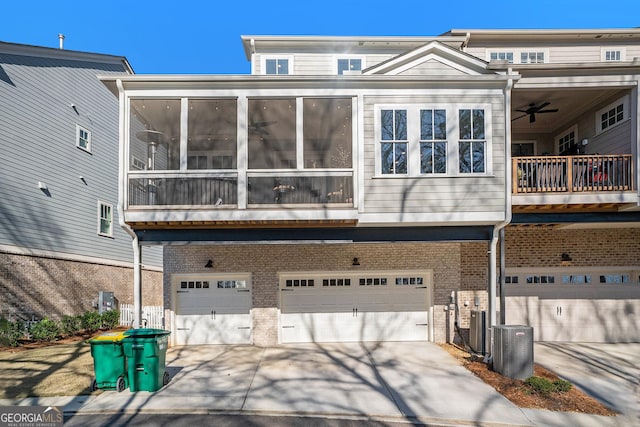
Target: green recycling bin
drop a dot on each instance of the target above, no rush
(109, 362)
(146, 353)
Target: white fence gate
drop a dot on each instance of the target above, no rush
(152, 316)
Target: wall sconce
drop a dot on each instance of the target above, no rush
(209, 264)
(566, 257)
(355, 262)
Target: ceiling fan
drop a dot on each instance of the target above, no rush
(535, 109)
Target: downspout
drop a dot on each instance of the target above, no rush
(498, 228)
(137, 251)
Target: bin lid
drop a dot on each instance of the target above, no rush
(146, 332)
(109, 337)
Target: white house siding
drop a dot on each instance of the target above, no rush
(322, 64)
(432, 67)
(557, 53)
(429, 195)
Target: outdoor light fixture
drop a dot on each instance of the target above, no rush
(209, 264)
(566, 257)
(355, 262)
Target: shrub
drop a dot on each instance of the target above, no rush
(562, 386)
(71, 325)
(111, 319)
(540, 385)
(45, 330)
(11, 332)
(91, 321)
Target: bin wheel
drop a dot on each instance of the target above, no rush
(94, 385)
(165, 378)
(120, 386)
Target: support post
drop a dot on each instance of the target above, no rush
(137, 284)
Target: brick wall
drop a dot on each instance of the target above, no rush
(540, 246)
(264, 262)
(35, 287)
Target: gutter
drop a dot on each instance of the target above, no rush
(498, 229)
(137, 250)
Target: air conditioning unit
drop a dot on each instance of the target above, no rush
(477, 331)
(513, 351)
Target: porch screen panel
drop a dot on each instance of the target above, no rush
(327, 132)
(212, 136)
(272, 133)
(154, 134)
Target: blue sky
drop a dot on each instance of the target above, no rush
(203, 37)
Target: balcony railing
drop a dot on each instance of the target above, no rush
(220, 189)
(567, 174)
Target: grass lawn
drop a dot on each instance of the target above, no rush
(54, 370)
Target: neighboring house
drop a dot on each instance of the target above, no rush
(355, 188)
(60, 242)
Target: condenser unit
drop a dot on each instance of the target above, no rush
(513, 351)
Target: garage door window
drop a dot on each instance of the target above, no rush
(194, 285)
(336, 282)
(232, 284)
(375, 281)
(409, 281)
(299, 282)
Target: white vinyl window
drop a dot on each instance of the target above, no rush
(472, 144)
(83, 138)
(613, 54)
(349, 64)
(501, 56)
(393, 144)
(277, 65)
(433, 141)
(612, 114)
(105, 219)
(421, 140)
(532, 57)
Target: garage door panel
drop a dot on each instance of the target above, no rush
(203, 329)
(215, 315)
(379, 310)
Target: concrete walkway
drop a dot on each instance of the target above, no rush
(394, 381)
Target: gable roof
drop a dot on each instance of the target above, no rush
(433, 51)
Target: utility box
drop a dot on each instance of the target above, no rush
(477, 331)
(106, 301)
(513, 351)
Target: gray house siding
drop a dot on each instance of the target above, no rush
(38, 144)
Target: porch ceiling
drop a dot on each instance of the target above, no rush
(571, 103)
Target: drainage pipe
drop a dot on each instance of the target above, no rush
(498, 228)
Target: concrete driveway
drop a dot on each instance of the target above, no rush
(608, 372)
(394, 381)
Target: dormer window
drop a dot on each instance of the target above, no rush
(277, 66)
(349, 64)
(534, 57)
(612, 55)
(501, 56)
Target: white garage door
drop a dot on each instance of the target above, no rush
(213, 310)
(348, 307)
(587, 305)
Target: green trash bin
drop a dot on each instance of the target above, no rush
(146, 352)
(109, 362)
